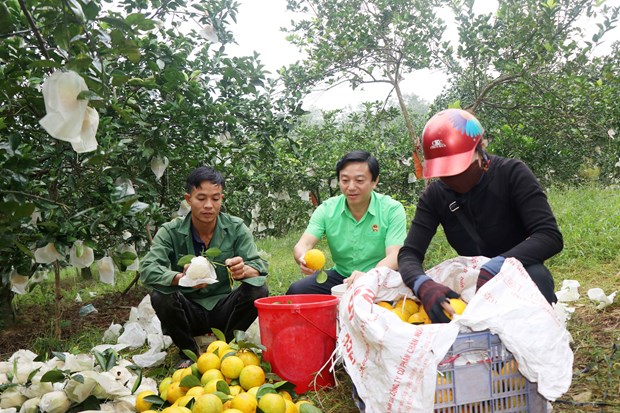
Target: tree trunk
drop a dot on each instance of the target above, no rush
(7, 313)
(58, 297)
(86, 273)
(415, 139)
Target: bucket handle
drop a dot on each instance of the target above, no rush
(310, 321)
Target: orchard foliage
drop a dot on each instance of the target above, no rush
(535, 75)
(168, 92)
(159, 75)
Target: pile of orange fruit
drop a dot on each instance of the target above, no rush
(223, 379)
(412, 312)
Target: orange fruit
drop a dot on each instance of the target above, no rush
(231, 367)
(142, 405)
(315, 259)
(272, 403)
(407, 305)
(251, 376)
(385, 304)
(208, 361)
(249, 357)
(208, 403)
(244, 402)
(458, 305)
(218, 347)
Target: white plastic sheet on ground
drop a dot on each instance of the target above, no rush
(393, 364)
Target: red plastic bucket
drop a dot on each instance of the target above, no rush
(299, 333)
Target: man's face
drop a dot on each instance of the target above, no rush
(356, 183)
(205, 201)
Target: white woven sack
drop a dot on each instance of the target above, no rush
(394, 364)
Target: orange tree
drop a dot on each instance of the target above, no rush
(166, 93)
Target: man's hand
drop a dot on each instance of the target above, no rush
(238, 269)
(236, 266)
(483, 277)
(433, 296)
(489, 270)
(302, 265)
(177, 278)
(354, 276)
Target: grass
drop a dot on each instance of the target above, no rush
(589, 219)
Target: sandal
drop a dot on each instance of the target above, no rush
(184, 363)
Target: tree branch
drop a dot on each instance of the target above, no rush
(488, 87)
(33, 26)
(40, 198)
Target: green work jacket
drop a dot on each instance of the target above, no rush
(174, 240)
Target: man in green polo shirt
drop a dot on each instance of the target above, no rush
(364, 229)
(186, 312)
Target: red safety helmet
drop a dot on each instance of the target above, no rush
(449, 140)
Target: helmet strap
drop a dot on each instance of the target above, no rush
(485, 162)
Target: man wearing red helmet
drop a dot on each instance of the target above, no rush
(487, 205)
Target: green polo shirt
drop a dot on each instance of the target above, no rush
(359, 245)
(174, 240)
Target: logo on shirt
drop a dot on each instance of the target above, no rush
(437, 143)
(375, 228)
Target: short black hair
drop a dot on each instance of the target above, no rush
(201, 174)
(359, 156)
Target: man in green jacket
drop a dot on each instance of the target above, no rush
(186, 312)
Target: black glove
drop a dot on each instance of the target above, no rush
(432, 294)
(483, 277)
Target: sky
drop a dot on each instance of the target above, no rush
(258, 29)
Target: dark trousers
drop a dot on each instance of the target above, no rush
(182, 319)
(544, 281)
(308, 284)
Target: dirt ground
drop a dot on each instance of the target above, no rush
(34, 322)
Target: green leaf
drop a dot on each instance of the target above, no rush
(24, 249)
(212, 252)
(321, 277)
(107, 359)
(191, 355)
(78, 377)
(45, 64)
(137, 382)
(60, 356)
(127, 255)
(118, 23)
(53, 376)
(89, 95)
(223, 391)
(32, 374)
(256, 281)
(264, 389)
(190, 381)
(5, 386)
(90, 403)
(218, 333)
(184, 260)
(79, 249)
(6, 23)
(308, 408)
(156, 400)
